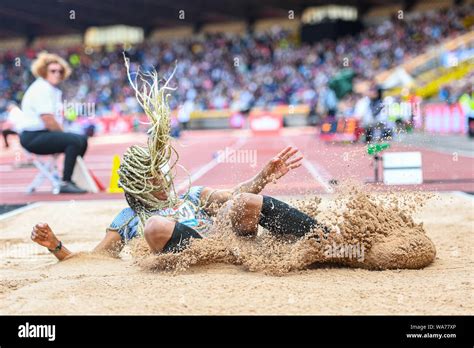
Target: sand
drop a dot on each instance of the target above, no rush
(374, 231)
(254, 278)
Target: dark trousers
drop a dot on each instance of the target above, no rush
(48, 143)
(6, 133)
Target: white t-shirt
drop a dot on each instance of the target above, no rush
(16, 117)
(184, 114)
(40, 98)
(363, 112)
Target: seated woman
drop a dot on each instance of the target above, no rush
(41, 130)
(170, 228)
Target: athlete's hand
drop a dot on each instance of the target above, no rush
(43, 235)
(281, 164)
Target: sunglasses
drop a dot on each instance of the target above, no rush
(56, 71)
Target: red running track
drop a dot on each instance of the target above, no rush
(324, 164)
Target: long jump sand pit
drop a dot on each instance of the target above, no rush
(33, 282)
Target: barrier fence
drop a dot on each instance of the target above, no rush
(437, 118)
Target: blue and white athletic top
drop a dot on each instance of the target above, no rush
(188, 213)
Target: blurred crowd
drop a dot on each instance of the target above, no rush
(239, 72)
(452, 92)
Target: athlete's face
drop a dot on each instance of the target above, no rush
(54, 73)
(161, 194)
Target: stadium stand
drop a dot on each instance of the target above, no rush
(236, 70)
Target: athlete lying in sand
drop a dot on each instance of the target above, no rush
(171, 229)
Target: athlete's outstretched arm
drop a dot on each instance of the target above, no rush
(43, 235)
(277, 167)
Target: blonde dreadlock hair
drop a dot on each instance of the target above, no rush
(144, 170)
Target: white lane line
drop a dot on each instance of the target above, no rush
(19, 210)
(319, 178)
(315, 171)
(464, 195)
(210, 165)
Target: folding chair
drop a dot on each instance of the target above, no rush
(48, 169)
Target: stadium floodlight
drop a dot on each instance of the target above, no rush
(116, 34)
(314, 15)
